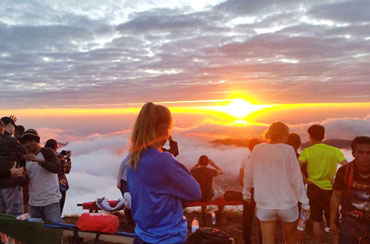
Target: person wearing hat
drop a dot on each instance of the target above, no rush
(274, 172)
(42, 171)
(11, 152)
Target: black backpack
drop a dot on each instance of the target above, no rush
(233, 195)
(207, 235)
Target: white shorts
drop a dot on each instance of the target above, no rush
(286, 215)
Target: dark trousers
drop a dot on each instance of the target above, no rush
(128, 214)
(62, 201)
(319, 203)
(137, 240)
(248, 216)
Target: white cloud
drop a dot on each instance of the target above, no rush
(77, 52)
(96, 158)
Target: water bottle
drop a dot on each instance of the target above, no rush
(194, 225)
(213, 216)
(303, 217)
(35, 220)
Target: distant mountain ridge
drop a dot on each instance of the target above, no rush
(339, 143)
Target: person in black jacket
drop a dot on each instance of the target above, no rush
(42, 170)
(14, 172)
(11, 152)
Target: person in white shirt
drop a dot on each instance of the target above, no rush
(273, 170)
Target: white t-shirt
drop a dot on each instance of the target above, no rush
(273, 170)
(43, 185)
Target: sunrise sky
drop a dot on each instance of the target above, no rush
(79, 71)
(123, 53)
(73, 65)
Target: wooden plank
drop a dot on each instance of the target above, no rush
(102, 237)
(220, 202)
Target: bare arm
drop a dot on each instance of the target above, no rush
(218, 169)
(334, 207)
(194, 167)
(305, 179)
(344, 162)
(248, 180)
(241, 177)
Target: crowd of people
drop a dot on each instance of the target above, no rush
(278, 180)
(278, 183)
(32, 177)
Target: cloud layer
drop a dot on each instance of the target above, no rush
(66, 53)
(96, 158)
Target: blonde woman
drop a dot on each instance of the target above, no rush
(274, 172)
(158, 183)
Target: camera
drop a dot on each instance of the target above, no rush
(65, 160)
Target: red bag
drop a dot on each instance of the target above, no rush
(104, 223)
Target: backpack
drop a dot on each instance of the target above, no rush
(207, 235)
(233, 195)
(104, 223)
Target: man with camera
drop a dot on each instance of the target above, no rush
(66, 165)
(64, 160)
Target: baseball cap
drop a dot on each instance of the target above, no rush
(32, 135)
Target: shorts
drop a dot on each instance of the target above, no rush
(319, 202)
(286, 215)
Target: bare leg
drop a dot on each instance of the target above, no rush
(268, 231)
(4, 238)
(204, 210)
(11, 240)
(289, 231)
(317, 232)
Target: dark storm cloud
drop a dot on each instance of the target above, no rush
(290, 51)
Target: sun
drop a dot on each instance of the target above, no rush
(239, 108)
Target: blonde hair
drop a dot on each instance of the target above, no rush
(277, 130)
(147, 130)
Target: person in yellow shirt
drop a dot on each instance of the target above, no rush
(322, 161)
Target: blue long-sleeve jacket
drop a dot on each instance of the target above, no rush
(157, 187)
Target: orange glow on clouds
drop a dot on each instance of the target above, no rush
(237, 111)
